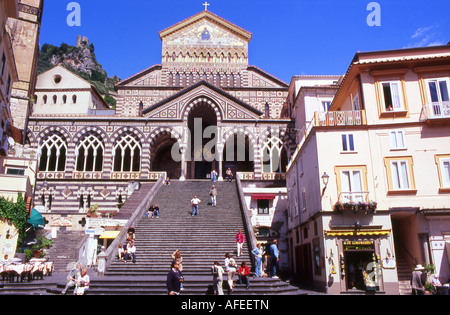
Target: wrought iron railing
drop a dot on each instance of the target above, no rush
(435, 110)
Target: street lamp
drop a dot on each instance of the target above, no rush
(325, 178)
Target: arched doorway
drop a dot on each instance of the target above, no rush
(202, 125)
(238, 154)
(162, 159)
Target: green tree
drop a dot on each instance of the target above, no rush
(16, 213)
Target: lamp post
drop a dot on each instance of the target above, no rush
(325, 178)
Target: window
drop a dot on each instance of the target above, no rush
(127, 154)
(266, 110)
(400, 174)
(352, 183)
(443, 163)
(263, 206)
(351, 186)
(356, 105)
(303, 199)
(438, 95)
(53, 154)
(397, 139)
(392, 96)
(325, 106)
(438, 90)
(348, 143)
(15, 171)
(89, 154)
(3, 65)
(274, 156)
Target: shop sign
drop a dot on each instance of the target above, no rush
(358, 245)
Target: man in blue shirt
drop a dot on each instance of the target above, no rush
(274, 258)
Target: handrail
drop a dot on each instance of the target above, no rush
(138, 213)
(251, 237)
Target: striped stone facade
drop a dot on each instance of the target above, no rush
(91, 159)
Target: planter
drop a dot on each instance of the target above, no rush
(366, 207)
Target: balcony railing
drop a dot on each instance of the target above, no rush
(435, 110)
(340, 118)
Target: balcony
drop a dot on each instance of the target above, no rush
(356, 202)
(340, 118)
(436, 112)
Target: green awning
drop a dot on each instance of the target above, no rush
(36, 219)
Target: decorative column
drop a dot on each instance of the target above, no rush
(183, 163)
(220, 147)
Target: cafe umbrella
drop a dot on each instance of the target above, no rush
(36, 219)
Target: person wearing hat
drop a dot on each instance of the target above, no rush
(418, 281)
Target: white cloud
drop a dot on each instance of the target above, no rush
(425, 36)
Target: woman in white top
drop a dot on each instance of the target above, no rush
(82, 283)
(230, 268)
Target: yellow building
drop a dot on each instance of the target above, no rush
(384, 144)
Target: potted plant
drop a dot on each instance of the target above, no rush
(92, 212)
(362, 206)
(338, 207)
(349, 206)
(372, 206)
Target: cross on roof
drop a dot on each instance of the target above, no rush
(206, 4)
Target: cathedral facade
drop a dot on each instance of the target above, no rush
(202, 108)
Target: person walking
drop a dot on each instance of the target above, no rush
(72, 277)
(213, 176)
(217, 272)
(229, 174)
(418, 281)
(195, 202)
(240, 239)
(213, 195)
(177, 256)
(174, 279)
(274, 258)
(258, 252)
(230, 268)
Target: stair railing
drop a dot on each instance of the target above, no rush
(137, 214)
(251, 237)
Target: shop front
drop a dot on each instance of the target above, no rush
(357, 260)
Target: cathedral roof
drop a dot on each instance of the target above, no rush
(209, 16)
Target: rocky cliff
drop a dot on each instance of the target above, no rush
(81, 60)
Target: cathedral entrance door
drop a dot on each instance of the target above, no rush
(202, 124)
(202, 169)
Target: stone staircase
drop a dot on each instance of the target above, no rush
(404, 271)
(200, 239)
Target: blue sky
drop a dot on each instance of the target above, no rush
(290, 37)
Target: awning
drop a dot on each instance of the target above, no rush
(109, 234)
(36, 219)
(373, 232)
(357, 232)
(340, 233)
(263, 196)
